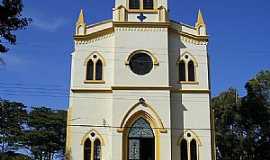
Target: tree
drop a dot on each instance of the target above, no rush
(243, 124)
(256, 116)
(47, 133)
(227, 117)
(10, 21)
(13, 116)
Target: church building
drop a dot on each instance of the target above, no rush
(140, 87)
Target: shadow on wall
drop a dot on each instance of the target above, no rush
(177, 123)
(177, 107)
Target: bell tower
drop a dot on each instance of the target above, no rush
(140, 11)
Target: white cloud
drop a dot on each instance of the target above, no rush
(44, 21)
(51, 25)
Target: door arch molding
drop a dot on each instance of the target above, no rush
(160, 127)
(154, 125)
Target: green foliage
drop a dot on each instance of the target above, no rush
(42, 131)
(227, 116)
(256, 116)
(12, 117)
(47, 133)
(243, 125)
(10, 21)
(13, 156)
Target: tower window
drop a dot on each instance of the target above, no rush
(148, 4)
(134, 4)
(94, 68)
(141, 4)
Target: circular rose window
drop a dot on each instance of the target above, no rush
(141, 63)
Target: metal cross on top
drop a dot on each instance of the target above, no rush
(141, 17)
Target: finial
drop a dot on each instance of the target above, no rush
(200, 21)
(81, 18)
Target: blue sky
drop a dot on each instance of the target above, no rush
(37, 69)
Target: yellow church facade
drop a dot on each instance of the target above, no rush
(140, 87)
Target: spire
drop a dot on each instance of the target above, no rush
(80, 25)
(200, 21)
(81, 18)
(200, 25)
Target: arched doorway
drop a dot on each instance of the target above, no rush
(141, 141)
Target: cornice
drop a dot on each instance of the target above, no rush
(94, 35)
(146, 26)
(142, 25)
(190, 36)
(99, 23)
(91, 90)
(141, 88)
(190, 91)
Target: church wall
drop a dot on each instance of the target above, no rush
(105, 48)
(197, 118)
(177, 123)
(158, 100)
(190, 112)
(174, 53)
(90, 110)
(154, 40)
(178, 47)
(132, 17)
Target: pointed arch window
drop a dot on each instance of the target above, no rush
(187, 69)
(87, 149)
(92, 146)
(97, 150)
(193, 150)
(189, 147)
(191, 71)
(184, 150)
(99, 67)
(90, 70)
(182, 71)
(94, 68)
